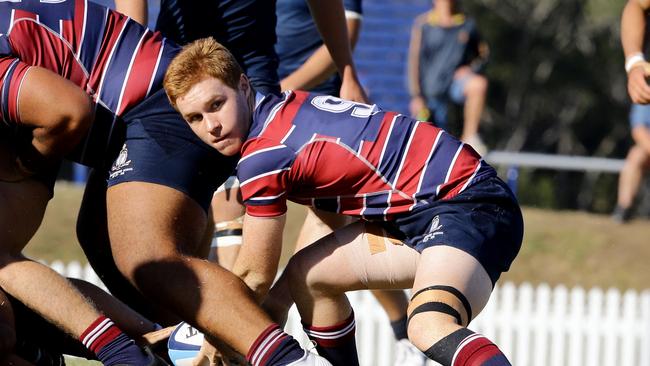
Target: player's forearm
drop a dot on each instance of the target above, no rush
(329, 17)
(318, 68)
(633, 23)
(257, 262)
(320, 65)
(136, 9)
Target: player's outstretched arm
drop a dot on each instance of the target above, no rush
(320, 65)
(257, 262)
(58, 113)
(135, 9)
(330, 20)
(633, 27)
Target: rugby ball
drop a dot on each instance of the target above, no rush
(184, 344)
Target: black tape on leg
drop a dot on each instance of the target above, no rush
(454, 291)
(443, 351)
(439, 307)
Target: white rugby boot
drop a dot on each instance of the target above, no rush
(310, 359)
(406, 354)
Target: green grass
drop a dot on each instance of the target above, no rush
(574, 248)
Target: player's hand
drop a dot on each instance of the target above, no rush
(637, 86)
(418, 108)
(208, 356)
(351, 89)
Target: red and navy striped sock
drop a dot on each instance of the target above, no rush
(111, 345)
(476, 350)
(274, 347)
(336, 343)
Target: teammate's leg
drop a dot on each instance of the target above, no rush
(152, 228)
(227, 213)
(352, 258)
(92, 233)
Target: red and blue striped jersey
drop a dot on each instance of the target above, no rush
(350, 158)
(113, 58)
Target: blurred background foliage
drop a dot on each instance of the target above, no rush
(557, 86)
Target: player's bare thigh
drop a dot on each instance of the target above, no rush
(358, 256)
(149, 222)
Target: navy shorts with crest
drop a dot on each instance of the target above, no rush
(484, 220)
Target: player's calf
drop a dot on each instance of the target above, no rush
(446, 310)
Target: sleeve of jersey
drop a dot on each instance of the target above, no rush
(12, 74)
(263, 173)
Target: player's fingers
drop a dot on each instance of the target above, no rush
(157, 335)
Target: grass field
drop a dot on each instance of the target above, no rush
(573, 248)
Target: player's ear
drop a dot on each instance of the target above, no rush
(244, 84)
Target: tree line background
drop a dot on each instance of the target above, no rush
(557, 85)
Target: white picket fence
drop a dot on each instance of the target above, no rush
(534, 326)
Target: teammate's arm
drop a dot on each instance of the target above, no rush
(135, 9)
(633, 28)
(57, 113)
(329, 17)
(257, 262)
(320, 65)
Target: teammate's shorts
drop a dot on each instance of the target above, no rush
(640, 115)
(150, 143)
(484, 221)
(159, 147)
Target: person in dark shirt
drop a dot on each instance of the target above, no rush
(445, 58)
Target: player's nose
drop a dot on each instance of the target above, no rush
(212, 124)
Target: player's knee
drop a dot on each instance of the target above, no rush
(477, 85)
(303, 277)
(637, 156)
(432, 310)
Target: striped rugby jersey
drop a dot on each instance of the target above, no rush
(113, 58)
(350, 158)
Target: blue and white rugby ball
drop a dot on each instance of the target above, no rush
(184, 344)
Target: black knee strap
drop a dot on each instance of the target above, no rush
(453, 291)
(439, 307)
(443, 351)
(227, 232)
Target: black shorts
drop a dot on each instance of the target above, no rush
(484, 221)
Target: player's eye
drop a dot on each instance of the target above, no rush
(217, 104)
(194, 118)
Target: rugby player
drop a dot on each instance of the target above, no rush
(78, 76)
(435, 217)
(305, 64)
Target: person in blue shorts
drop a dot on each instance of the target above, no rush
(637, 163)
(432, 215)
(446, 57)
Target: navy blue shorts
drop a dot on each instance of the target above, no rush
(484, 220)
(157, 146)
